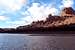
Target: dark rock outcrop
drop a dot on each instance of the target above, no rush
(69, 10)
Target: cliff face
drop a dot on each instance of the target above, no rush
(68, 12)
(67, 18)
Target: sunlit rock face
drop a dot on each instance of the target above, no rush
(67, 17)
(68, 11)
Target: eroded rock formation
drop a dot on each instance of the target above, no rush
(64, 21)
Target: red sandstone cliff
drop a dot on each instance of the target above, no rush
(67, 17)
(64, 21)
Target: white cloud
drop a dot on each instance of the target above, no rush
(13, 5)
(3, 18)
(67, 3)
(24, 21)
(33, 13)
(14, 24)
(40, 12)
(28, 19)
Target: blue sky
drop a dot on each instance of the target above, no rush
(14, 13)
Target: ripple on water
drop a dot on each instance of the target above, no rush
(27, 42)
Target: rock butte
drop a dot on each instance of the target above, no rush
(66, 17)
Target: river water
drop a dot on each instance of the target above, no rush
(37, 42)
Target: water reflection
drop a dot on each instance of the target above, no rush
(36, 42)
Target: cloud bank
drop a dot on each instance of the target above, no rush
(12, 5)
(40, 12)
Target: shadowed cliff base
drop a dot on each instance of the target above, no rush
(63, 28)
(66, 29)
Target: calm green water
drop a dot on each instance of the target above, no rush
(37, 42)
